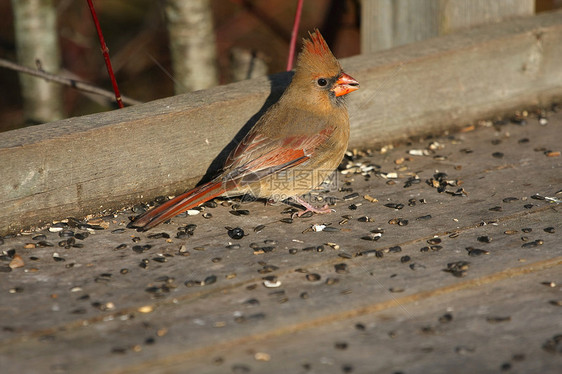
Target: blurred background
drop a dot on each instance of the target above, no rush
(161, 48)
(137, 36)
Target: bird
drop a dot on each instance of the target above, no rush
(297, 143)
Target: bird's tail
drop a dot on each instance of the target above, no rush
(179, 204)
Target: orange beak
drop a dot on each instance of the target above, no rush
(345, 84)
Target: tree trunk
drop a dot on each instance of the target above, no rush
(37, 46)
(192, 44)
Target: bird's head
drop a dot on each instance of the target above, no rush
(319, 74)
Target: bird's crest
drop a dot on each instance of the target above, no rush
(317, 57)
(316, 45)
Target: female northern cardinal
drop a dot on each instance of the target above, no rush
(293, 147)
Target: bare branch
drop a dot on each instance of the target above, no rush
(81, 86)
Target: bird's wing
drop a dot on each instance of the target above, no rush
(260, 156)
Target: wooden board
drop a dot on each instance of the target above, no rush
(360, 307)
(88, 164)
(391, 23)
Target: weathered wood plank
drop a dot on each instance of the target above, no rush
(391, 23)
(86, 311)
(84, 165)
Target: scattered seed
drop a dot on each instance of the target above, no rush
(497, 154)
(267, 269)
(553, 345)
(396, 206)
(464, 350)
(405, 259)
(484, 239)
(549, 230)
(510, 199)
(141, 248)
(209, 280)
(82, 235)
(331, 229)
(398, 221)
(341, 345)
(434, 241)
(16, 262)
(66, 233)
(313, 277)
(341, 268)
(510, 232)
(423, 218)
(271, 282)
(534, 244)
(236, 233)
(57, 258)
(318, 228)
(527, 230)
(351, 196)
(241, 212)
(286, 220)
(159, 235)
(458, 268)
(498, 319)
(210, 204)
(370, 199)
(446, 318)
(372, 237)
(496, 209)
(259, 228)
(476, 252)
(416, 266)
(396, 289)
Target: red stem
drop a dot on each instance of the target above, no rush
(294, 36)
(105, 52)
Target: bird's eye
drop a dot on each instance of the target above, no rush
(322, 82)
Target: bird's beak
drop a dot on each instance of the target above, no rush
(345, 84)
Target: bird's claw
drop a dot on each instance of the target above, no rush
(309, 208)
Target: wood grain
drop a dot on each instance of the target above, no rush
(377, 313)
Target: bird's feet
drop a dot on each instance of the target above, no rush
(309, 208)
